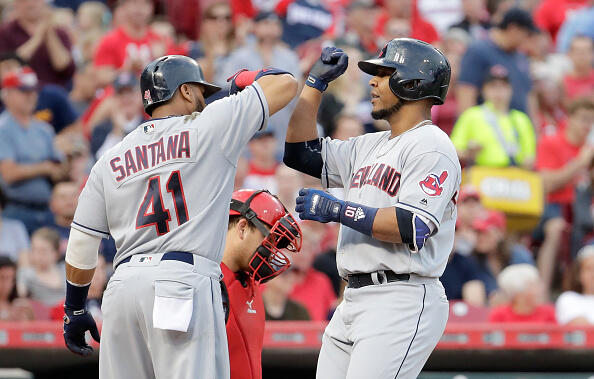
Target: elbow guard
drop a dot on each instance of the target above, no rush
(414, 229)
(305, 157)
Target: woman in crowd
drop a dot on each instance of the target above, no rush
(522, 287)
(43, 279)
(576, 306)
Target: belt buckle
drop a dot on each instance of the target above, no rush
(379, 277)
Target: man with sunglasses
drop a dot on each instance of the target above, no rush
(259, 234)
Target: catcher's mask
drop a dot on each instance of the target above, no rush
(280, 229)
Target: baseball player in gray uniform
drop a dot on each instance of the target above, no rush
(398, 217)
(163, 194)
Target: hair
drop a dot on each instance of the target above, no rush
(234, 219)
(7, 262)
(516, 278)
(48, 234)
(580, 103)
(572, 275)
(2, 199)
(12, 55)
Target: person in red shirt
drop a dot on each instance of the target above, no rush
(580, 82)
(521, 285)
(562, 159)
(550, 14)
(260, 233)
(313, 289)
(407, 9)
(130, 46)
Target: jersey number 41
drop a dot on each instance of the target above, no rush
(160, 216)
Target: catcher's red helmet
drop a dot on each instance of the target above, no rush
(280, 229)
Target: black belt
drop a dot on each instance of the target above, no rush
(181, 256)
(385, 276)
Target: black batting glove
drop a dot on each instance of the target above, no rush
(332, 63)
(76, 323)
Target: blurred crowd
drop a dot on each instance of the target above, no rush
(521, 95)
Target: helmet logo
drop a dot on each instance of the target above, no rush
(147, 97)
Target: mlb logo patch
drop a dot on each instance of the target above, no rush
(145, 260)
(149, 128)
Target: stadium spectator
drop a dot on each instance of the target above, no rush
(583, 215)
(11, 307)
(549, 15)
(34, 36)
(498, 8)
(268, 51)
(91, 20)
(276, 299)
(493, 251)
(303, 20)
(347, 126)
(361, 27)
(288, 183)
(462, 276)
(408, 10)
(580, 23)
(576, 306)
(53, 105)
(580, 81)
(349, 94)
(500, 48)
(217, 41)
(262, 163)
(63, 204)
(551, 116)
(84, 87)
(128, 47)
(521, 285)
(312, 288)
(454, 44)
(14, 239)
(43, 278)
(563, 160)
(476, 19)
(492, 134)
(441, 14)
(126, 113)
(28, 158)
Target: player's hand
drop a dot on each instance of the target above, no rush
(76, 323)
(313, 204)
(332, 63)
(244, 78)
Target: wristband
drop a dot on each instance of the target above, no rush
(317, 83)
(358, 217)
(76, 296)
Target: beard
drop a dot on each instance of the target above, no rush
(385, 114)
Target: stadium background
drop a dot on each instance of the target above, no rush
(521, 276)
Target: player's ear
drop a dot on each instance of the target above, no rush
(186, 92)
(242, 227)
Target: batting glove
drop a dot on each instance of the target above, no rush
(244, 78)
(313, 204)
(76, 323)
(332, 63)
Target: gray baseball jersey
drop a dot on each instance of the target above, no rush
(417, 171)
(167, 185)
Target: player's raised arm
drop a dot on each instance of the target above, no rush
(302, 148)
(279, 87)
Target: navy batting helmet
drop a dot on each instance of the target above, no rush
(421, 71)
(163, 76)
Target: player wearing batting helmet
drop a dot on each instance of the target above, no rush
(260, 234)
(398, 216)
(163, 195)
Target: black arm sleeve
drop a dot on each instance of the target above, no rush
(305, 157)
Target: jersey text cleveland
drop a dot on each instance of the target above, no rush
(148, 156)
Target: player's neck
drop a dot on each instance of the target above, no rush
(407, 119)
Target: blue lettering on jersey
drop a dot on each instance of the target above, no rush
(137, 159)
(381, 176)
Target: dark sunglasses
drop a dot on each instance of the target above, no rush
(218, 17)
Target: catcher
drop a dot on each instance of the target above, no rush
(260, 231)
